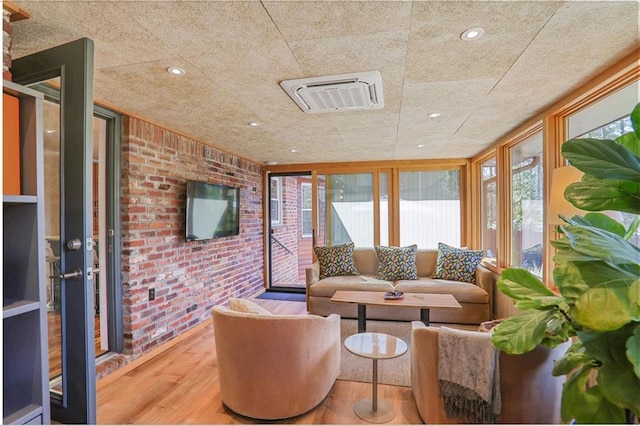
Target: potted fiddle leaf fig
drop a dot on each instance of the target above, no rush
(597, 303)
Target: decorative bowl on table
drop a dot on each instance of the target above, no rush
(392, 295)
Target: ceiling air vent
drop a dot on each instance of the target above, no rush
(343, 92)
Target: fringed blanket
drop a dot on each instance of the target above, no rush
(469, 376)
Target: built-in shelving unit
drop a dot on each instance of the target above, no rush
(24, 322)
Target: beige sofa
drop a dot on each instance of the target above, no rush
(530, 393)
(476, 299)
(275, 366)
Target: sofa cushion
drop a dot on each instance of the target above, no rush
(328, 286)
(247, 307)
(463, 292)
(366, 260)
(457, 264)
(397, 263)
(336, 260)
(426, 261)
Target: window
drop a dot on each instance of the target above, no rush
(608, 119)
(430, 208)
(345, 209)
(275, 194)
(307, 223)
(489, 208)
(527, 205)
(384, 209)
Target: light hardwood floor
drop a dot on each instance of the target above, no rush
(180, 386)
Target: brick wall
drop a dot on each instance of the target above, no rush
(155, 166)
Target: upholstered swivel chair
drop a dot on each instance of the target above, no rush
(530, 394)
(275, 366)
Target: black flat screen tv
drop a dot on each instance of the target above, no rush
(212, 211)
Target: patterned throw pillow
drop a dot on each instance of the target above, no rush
(336, 260)
(397, 263)
(457, 264)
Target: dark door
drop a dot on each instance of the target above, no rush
(71, 67)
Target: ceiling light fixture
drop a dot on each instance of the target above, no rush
(420, 145)
(176, 71)
(293, 150)
(434, 115)
(472, 34)
(253, 124)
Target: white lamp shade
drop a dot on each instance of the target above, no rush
(558, 205)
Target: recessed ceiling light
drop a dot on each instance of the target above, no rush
(434, 115)
(176, 71)
(50, 131)
(293, 150)
(253, 124)
(420, 145)
(472, 34)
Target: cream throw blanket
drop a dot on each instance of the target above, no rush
(469, 375)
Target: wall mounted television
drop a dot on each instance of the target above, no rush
(212, 211)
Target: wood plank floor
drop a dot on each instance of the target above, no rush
(54, 325)
(181, 386)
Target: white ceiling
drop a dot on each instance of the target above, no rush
(236, 53)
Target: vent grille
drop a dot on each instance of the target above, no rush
(344, 92)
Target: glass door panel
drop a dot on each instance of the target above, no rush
(68, 68)
(291, 231)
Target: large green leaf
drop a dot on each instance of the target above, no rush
(633, 228)
(604, 308)
(602, 221)
(601, 244)
(633, 351)
(629, 141)
(587, 405)
(558, 331)
(609, 346)
(607, 194)
(571, 361)
(564, 252)
(619, 386)
(542, 303)
(568, 279)
(635, 121)
(634, 298)
(521, 333)
(597, 273)
(603, 159)
(518, 283)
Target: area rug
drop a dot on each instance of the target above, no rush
(395, 371)
(290, 297)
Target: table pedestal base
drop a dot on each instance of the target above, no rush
(384, 413)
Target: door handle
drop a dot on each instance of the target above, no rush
(77, 273)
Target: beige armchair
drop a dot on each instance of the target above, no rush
(275, 366)
(530, 394)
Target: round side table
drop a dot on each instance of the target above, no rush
(375, 346)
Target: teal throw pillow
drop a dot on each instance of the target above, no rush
(397, 263)
(336, 260)
(457, 264)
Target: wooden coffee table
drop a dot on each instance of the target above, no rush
(424, 301)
